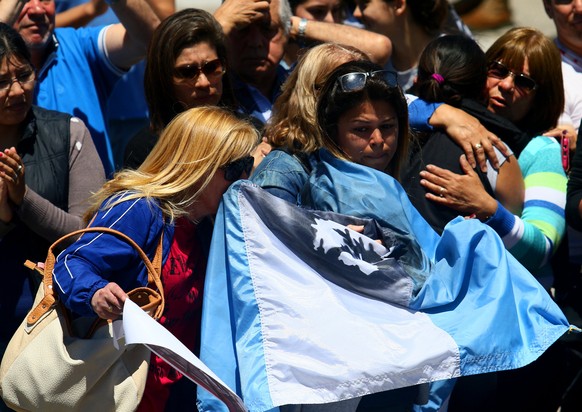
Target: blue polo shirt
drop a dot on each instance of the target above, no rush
(77, 78)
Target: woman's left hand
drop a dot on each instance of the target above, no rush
(12, 172)
(463, 193)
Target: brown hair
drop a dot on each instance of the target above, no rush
(178, 31)
(545, 67)
(293, 124)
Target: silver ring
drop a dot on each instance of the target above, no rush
(478, 146)
(442, 192)
(15, 177)
(19, 168)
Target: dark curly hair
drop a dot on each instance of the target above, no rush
(334, 102)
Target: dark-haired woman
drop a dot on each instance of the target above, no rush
(185, 67)
(524, 85)
(453, 70)
(48, 168)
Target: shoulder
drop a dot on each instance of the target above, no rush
(130, 210)
(70, 34)
(542, 143)
(278, 161)
(542, 154)
(43, 114)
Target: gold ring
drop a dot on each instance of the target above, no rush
(110, 308)
(19, 168)
(478, 146)
(442, 192)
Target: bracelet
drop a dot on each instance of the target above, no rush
(301, 29)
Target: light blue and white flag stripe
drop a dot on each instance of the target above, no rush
(300, 310)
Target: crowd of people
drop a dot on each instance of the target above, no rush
(262, 90)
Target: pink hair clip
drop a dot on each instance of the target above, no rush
(439, 79)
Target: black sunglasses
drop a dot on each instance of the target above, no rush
(522, 81)
(234, 170)
(213, 70)
(356, 81)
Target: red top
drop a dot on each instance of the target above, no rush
(183, 279)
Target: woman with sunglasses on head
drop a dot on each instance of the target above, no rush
(524, 86)
(185, 67)
(453, 70)
(363, 117)
(292, 130)
(296, 138)
(48, 168)
(199, 154)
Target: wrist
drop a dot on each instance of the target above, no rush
(488, 210)
(301, 29)
(439, 116)
(297, 27)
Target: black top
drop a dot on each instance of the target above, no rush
(139, 147)
(574, 196)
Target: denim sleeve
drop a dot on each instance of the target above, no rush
(282, 175)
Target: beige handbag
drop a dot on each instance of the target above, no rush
(48, 367)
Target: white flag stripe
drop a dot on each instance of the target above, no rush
(350, 334)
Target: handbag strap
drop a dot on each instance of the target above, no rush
(49, 299)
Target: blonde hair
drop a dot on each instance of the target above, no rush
(190, 150)
(293, 124)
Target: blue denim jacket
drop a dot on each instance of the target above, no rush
(282, 175)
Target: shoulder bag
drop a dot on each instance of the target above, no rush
(54, 362)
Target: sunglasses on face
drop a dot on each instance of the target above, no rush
(213, 70)
(356, 81)
(235, 169)
(522, 81)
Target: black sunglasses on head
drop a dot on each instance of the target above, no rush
(212, 70)
(356, 81)
(522, 81)
(234, 170)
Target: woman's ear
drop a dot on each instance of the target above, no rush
(399, 7)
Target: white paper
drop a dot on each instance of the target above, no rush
(140, 328)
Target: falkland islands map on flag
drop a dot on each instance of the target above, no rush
(299, 309)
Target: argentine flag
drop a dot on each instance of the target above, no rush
(299, 309)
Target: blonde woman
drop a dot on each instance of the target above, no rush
(200, 153)
(292, 130)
